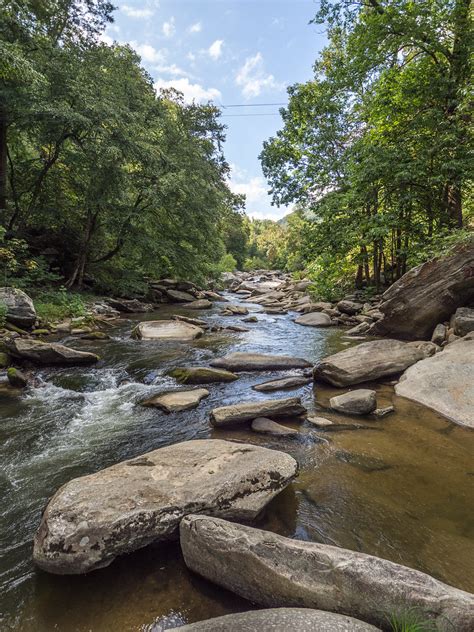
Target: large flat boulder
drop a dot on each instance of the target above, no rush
(427, 295)
(20, 308)
(93, 519)
(371, 361)
(314, 319)
(281, 620)
(259, 362)
(177, 296)
(201, 375)
(47, 353)
(167, 330)
(177, 401)
(278, 572)
(294, 381)
(247, 411)
(444, 382)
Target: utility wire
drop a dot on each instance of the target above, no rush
(254, 114)
(249, 105)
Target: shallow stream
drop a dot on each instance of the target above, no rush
(400, 487)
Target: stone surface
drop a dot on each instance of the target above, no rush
(237, 310)
(202, 375)
(16, 378)
(259, 362)
(294, 381)
(444, 382)
(463, 321)
(93, 519)
(320, 422)
(129, 306)
(199, 322)
(247, 411)
(47, 352)
(275, 571)
(177, 401)
(281, 620)
(383, 412)
(267, 426)
(314, 319)
(166, 330)
(427, 295)
(362, 401)
(439, 334)
(201, 303)
(370, 361)
(349, 307)
(20, 308)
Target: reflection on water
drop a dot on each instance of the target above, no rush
(400, 488)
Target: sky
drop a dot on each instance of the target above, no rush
(230, 52)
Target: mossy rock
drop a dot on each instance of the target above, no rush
(16, 378)
(96, 335)
(201, 375)
(40, 332)
(4, 360)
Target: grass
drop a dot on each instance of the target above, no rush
(60, 304)
(411, 620)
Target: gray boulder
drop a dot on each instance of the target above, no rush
(129, 306)
(444, 382)
(267, 426)
(259, 362)
(359, 402)
(295, 381)
(463, 321)
(314, 319)
(427, 295)
(20, 308)
(278, 572)
(167, 330)
(281, 620)
(47, 353)
(93, 519)
(371, 361)
(439, 334)
(349, 307)
(201, 375)
(176, 296)
(177, 401)
(201, 303)
(247, 411)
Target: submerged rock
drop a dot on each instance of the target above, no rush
(320, 422)
(294, 381)
(247, 411)
(201, 375)
(359, 402)
(444, 382)
(177, 401)
(47, 352)
(259, 362)
(427, 295)
(314, 319)
(93, 519)
(371, 361)
(281, 620)
(20, 308)
(267, 426)
(275, 571)
(166, 330)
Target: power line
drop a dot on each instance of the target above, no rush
(249, 105)
(253, 114)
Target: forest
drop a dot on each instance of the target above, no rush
(104, 183)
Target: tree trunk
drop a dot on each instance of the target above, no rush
(3, 161)
(77, 276)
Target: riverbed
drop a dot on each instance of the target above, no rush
(400, 487)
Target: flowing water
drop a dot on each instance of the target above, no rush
(400, 487)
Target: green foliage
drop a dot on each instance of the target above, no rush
(3, 313)
(51, 306)
(228, 263)
(411, 620)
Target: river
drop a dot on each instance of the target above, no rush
(400, 487)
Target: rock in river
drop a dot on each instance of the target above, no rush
(201, 303)
(444, 382)
(166, 330)
(371, 361)
(275, 571)
(314, 319)
(259, 362)
(281, 620)
(201, 375)
(293, 381)
(267, 426)
(177, 401)
(362, 401)
(47, 352)
(93, 519)
(247, 411)
(20, 308)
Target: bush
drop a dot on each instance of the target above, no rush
(3, 314)
(60, 304)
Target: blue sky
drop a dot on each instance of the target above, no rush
(230, 52)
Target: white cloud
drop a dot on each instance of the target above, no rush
(195, 28)
(106, 39)
(191, 56)
(215, 49)
(169, 28)
(253, 80)
(191, 91)
(148, 53)
(173, 69)
(133, 12)
(258, 202)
